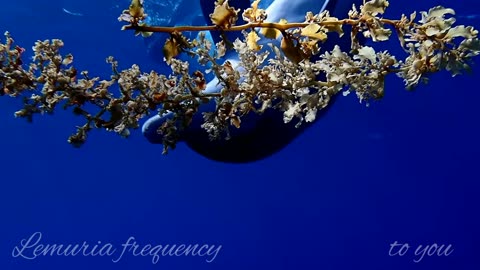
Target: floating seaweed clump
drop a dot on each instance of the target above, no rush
(268, 76)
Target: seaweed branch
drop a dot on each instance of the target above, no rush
(282, 75)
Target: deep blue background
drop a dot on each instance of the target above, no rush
(405, 169)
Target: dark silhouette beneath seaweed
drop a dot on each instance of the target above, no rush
(260, 135)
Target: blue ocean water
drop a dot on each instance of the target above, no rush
(403, 170)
